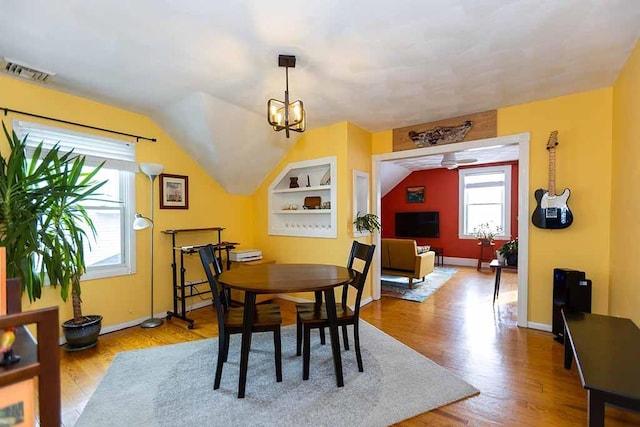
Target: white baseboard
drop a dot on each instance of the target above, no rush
(136, 322)
(162, 315)
(539, 326)
(464, 262)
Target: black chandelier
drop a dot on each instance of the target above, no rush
(285, 115)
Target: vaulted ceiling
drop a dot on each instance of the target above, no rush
(204, 70)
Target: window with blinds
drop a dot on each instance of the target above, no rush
(112, 251)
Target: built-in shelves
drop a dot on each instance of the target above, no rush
(303, 189)
(288, 215)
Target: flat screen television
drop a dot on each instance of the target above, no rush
(417, 224)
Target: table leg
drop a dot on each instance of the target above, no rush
(330, 301)
(568, 350)
(496, 286)
(247, 323)
(595, 411)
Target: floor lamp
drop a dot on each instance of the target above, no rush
(152, 170)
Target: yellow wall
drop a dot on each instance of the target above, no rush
(382, 142)
(625, 203)
(583, 164)
(352, 147)
(313, 144)
(127, 298)
(359, 144)
(588, 124)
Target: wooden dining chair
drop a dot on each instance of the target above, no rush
(267, 316)
(314, 315)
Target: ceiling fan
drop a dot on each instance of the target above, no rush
(450, 161)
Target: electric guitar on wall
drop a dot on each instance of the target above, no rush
(552, 210)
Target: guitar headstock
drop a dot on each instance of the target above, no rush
(553, 140)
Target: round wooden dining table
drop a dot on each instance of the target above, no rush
(287, 278)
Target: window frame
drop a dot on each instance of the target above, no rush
(128, 263)
(462, 199)
(126, 182)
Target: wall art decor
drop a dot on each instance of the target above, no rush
(415, 194)
(457, 129)
(174, 191)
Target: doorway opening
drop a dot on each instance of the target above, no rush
(519, 140)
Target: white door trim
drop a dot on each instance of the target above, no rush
(522, 140)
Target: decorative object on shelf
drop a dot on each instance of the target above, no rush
(312, 202)
(326, 178)
(367, 222)
(286, 115)
(326, 205)
(441, 134)
(487, 231)
(174, 191)
(6, 342)
(308, 181)
(415, 194)
(152, 170)
(293, 182)
(510, 252)
(52, 224)
(552, 210)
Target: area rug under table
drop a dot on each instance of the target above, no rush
(398, 287)
(173, 386)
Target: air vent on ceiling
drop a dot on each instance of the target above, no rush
(25, 71)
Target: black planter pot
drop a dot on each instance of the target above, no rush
(512, 259)
(83, 335)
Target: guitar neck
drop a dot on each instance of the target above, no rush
(552, 171)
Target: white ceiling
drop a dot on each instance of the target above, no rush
(204, 70)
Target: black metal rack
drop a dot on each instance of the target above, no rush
(183, 289)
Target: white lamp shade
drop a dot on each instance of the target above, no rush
(141, 222)
(151, 169)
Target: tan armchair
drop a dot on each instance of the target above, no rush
(399, 257)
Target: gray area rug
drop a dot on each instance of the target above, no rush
(173, 385)
(398, 287)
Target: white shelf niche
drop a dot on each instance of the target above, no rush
(287, 215)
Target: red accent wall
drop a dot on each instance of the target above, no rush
(441, 194)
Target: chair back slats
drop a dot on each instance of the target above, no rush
(364, 253)
(212, 270)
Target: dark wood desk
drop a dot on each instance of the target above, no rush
(499, 266)
(287, 278)
(607, 352)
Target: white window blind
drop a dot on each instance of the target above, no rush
(97, 149)
(112, 251)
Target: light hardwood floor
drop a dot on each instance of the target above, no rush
(518, 371)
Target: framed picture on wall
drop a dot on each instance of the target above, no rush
(174, 191)
(415, 194)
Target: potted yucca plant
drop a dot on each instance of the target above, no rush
(43, 224)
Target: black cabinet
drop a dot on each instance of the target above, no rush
(571, 292)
